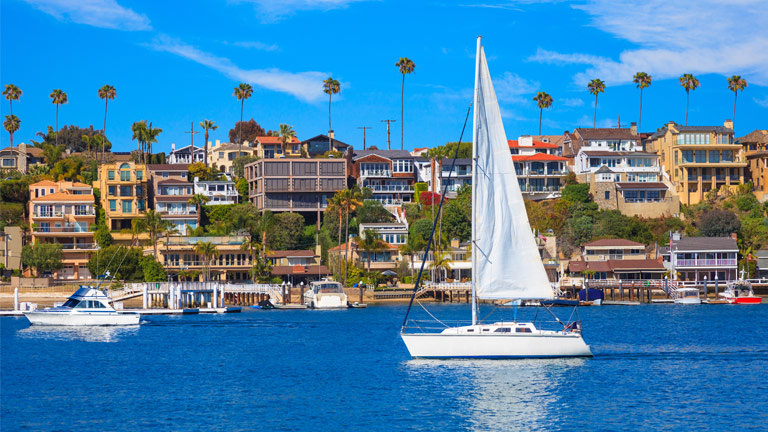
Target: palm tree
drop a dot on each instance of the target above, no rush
(371, 243)
(330, 87)
(441, 261)
(207, 125)
(406, 66)
(642, 80)
(169, 229)
(242, 92)
(250, 244)
(11, 124)
(735, 83)
(150, 138)
(58, 97)
(154, 225)
(12, 93)
(207, 252)
(266, 223)
(198, 200)
(106, 92)
(688, 82)
(543, 100)
(596, 86)
(287, 134)
(145, 135)
(337, 203)
(352, 199)
(137, 227)
(413, 246)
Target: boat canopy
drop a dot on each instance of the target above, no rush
(327, 288)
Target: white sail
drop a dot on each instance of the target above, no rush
(506, 258)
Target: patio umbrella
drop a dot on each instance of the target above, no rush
(389, 273)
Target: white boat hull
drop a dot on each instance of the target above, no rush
(327, 301)
(82, 318)
(687, 301)
(491, 346)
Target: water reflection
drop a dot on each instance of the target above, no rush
(506, 395)
(80, 333)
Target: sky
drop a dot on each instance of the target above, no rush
(175, 63)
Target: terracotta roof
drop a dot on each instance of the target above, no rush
(275, 140)
(300, 270)
(705, 244)
(538, 157)
(606, 133)
(291, 253)
(613, 242)
(78, 184)
(353, 245)
(62, 196)
(536, 144)
(34, 151)
(45, 183)
(552, 139)
(580, 266)
(168, 167)
(649, 185)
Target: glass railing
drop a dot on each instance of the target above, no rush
(391, 188)
(75, 229)
(376, 173)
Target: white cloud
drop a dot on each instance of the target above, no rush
(272, 10)
(306, 86)
(571, 102)
(510, 87)
(97, 13)
(261, 46)
(762, 102)
(672, 38)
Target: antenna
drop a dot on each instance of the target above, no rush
(192, 135)
(364, 128)
(389, 147)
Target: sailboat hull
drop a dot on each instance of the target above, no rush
(491, 346)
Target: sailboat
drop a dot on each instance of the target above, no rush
(505, 258)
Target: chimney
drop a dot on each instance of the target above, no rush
(733, 236)
(173, 147)
(331, 134)
(676, 235)
(633, 128)
(728, 124)
(218, 143)
(525, 141)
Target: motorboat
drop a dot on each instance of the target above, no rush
(88, 306)
(506, 264)
(740, 292)
(325, 295)
(688, 296)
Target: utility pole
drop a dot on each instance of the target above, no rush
(364, 128)
(389, 147)
(192, 138)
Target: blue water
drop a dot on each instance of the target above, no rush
(656, 367)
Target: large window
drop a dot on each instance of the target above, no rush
(127, 206)
(112, 205)
(701, 156)
(687, 156)
(110, 175)
(402, 166)
(125, 175)
(693, 138)
(714, 156)
(125, 191)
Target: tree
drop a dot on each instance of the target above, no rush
(106, 93)
(336, 203)
(458, 219)
(543, 100)
(330, 87)
(102, 236)
(207, 252)
(643, 80)
(406, 67)
(576, 193)
(124, 263)
(351, 200)
(52, 153)
(372, 211)
(153, 270)
(203, 172)
(238, 165)
(596, 86)
(198, 200)
(43, 257)
(12, 93)
(250, 130)
(58, 97)
(11, 124)
(287, 231)
(735, 83)
(242, 190)
(154, 225)
(71, 138)
(287, 135)
(718, 223)
(441, 261)
(371, 243)
(207, 125)
(688, 82)
(250, 244)
(413, 246)
(242, 92)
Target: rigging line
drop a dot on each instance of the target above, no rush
(434, 222)
(107, 268)
(118, 268)
(489, 314)
(430, 314)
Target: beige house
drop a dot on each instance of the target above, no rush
(221, 155)
(10, 247)
(756, 152)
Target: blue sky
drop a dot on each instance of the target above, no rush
(177, 62)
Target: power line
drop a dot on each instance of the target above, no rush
(389, 146)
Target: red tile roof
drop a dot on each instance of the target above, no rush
(536, 144)
(291, 253)
(538, 157)
(300, 270)
(641, 264)
(275, 140)
(62, 196)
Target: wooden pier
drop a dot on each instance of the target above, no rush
(212, 295)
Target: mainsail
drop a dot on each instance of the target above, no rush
(506, 258)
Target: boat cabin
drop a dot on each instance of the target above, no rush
(688, 292)
(88, 298)
(326, 287)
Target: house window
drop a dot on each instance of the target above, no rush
(125, 191)
(110, 175)
(607, 195)
(141, 205)
(112, 190)
(112, 205)
(127, 206)
(125, 176)
(701, 156)
(139, 175)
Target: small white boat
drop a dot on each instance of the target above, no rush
(88, 306)
(325, 295)
(740, 292)
(688, 296)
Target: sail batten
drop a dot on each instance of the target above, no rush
(506, 258)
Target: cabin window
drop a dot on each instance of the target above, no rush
(523, 330)
(485, 329)
(503, 330)
(471, 331)
(71, 303)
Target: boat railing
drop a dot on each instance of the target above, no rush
(432, 326)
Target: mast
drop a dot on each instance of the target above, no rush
(474, 182)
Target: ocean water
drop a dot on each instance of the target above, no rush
(656, 367)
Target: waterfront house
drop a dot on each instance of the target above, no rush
(390, 174)
(221, 155)
(172, 204)
(296, 266)
(605, 139)
(124, 196)
(393, 233)
(20, 158)
(693, 258)
(699, 159)
(218, 192)
(755, 147)
(615, 269)
(613, 249)
(178, 256)
(295, 185)
(318, 145)
(186, 155)
(270, 147)
(540, 170)
(63, 212)
(388, 258)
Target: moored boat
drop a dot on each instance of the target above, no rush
(688, 296)
(740, 292)
(88, 306)
(325, 295)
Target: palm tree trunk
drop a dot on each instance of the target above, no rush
(735, 95)
(346, 252)
(640, 120)
(330, 147)
(541, 111)
(687, 94)
(594, 122)
(402, 104)
(104, 143)
(57, 125)
(205, 146)
(340, 215)
(240, 129)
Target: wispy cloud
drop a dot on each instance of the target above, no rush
(511, 87)
(274, 10)
(571, 102)
(97, 13)
(261, 46)
(689, 36)
(306, 86)
(763, 102)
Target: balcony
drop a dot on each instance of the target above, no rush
(696, 262)
(78, 246)
(645, 200)
(49, 214)
(524, 188)
(188, 212)
(376, 173)
(58, 230)
(390, 188)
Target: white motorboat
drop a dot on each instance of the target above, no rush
(88, 306)
(325, 295)
(688, 296)
(506, 264)
(740, 292)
